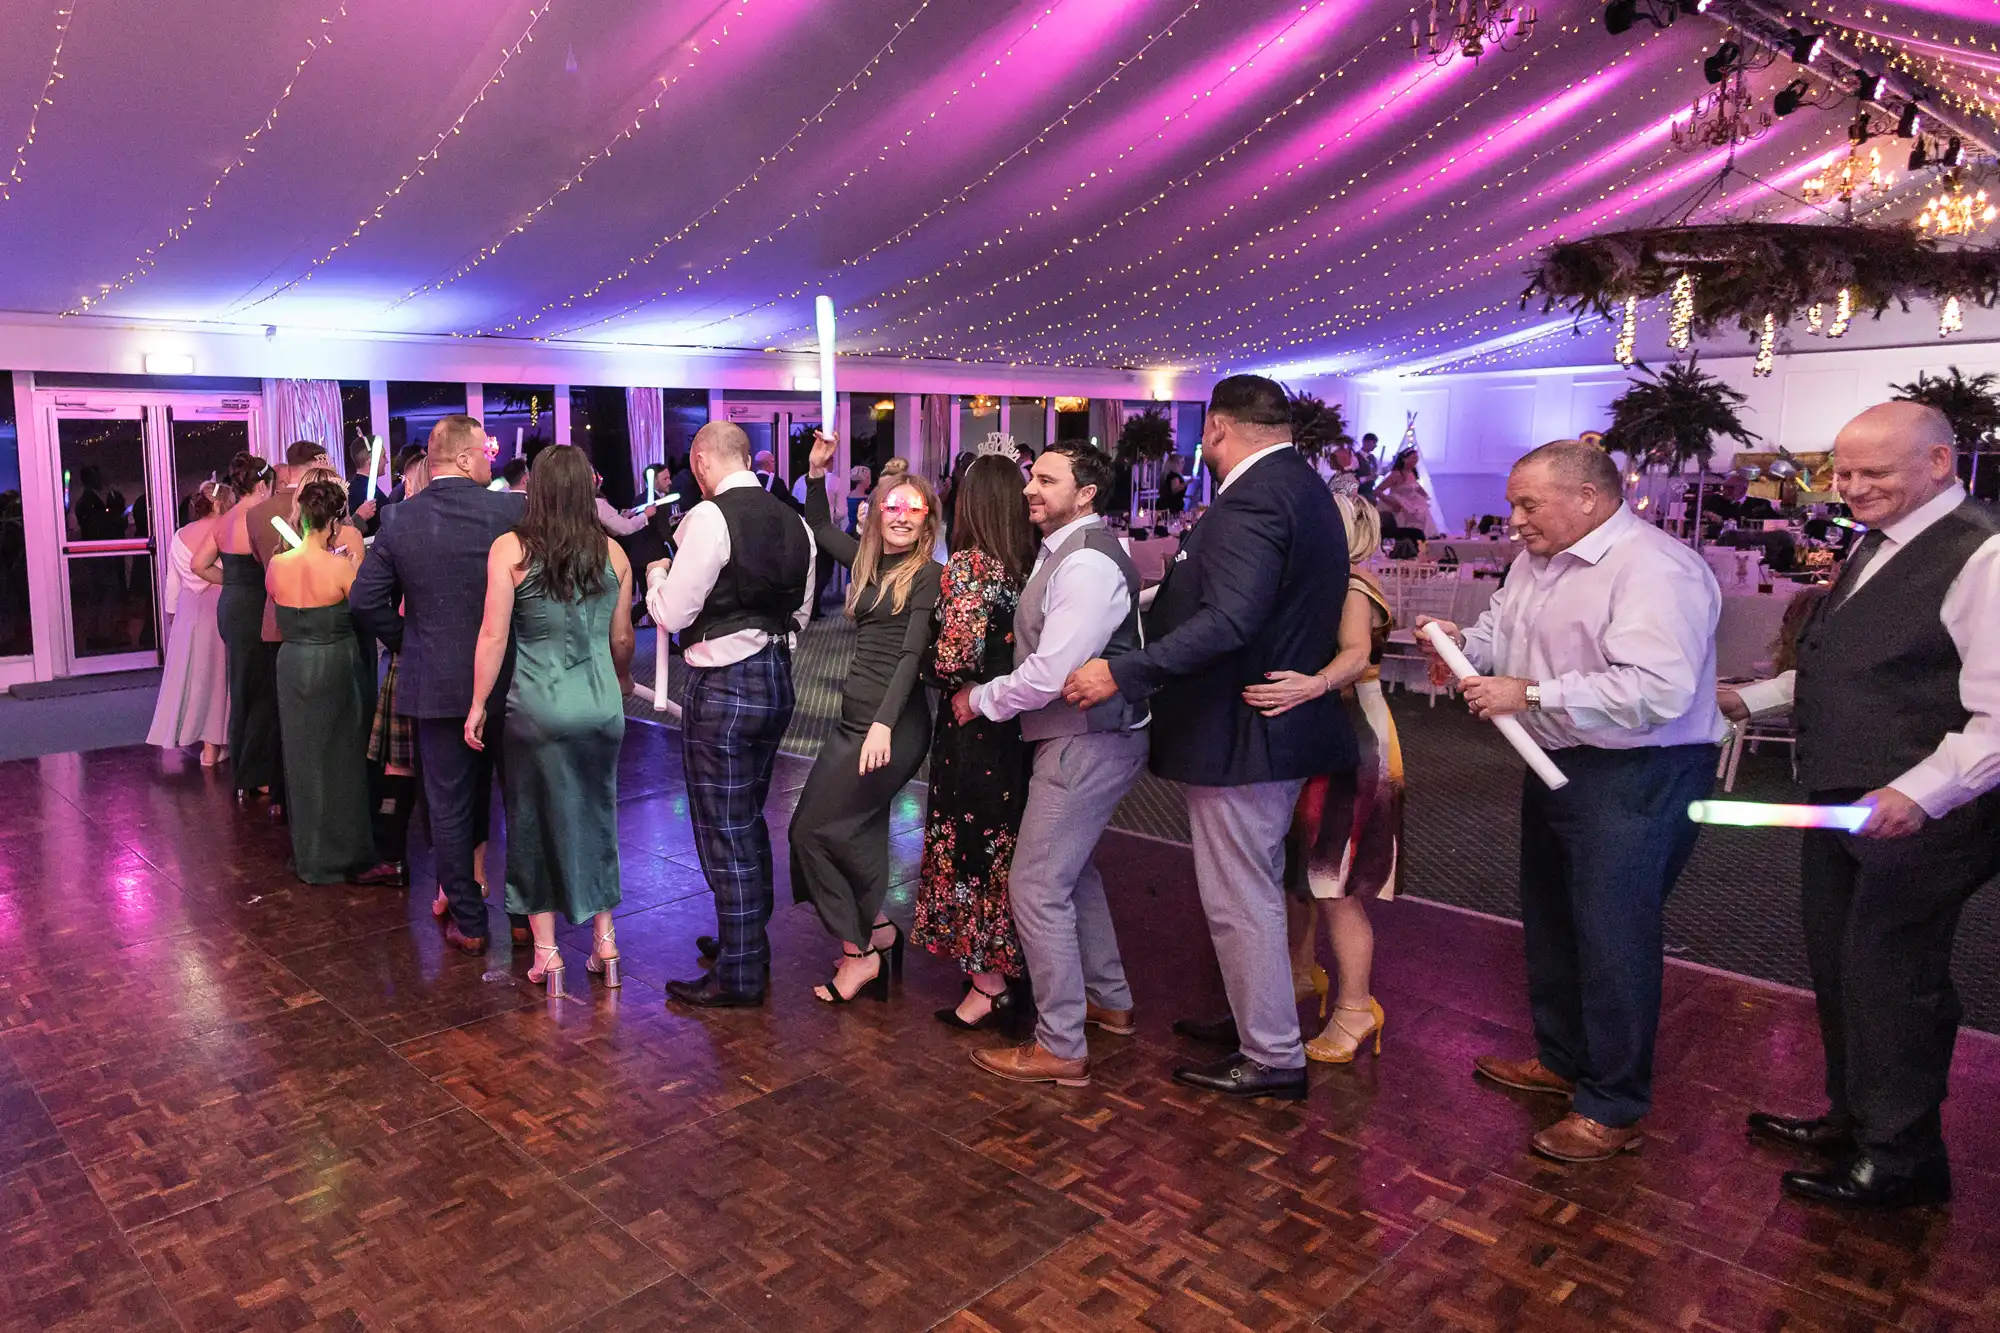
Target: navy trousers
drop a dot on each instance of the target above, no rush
(1598, 859)
(1880, 918)
(732, 719)
(458, 792)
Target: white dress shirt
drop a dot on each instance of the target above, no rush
(675, 598)
(1083, 604)
(617, 524)
(1966, 763)
(1619, 632)
(1250, 462)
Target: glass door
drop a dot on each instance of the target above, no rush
(128, 465)
(110, 612)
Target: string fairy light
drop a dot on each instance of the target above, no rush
(1843, 312)
(1680, 319)
(146, 260)
(1951, 319)
(637, 262)
(1628, 334)
(1815, 318)
(1767, 347)
(44, 99)
(665, 84)
(422, 166)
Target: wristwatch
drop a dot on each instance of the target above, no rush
(1534, 693)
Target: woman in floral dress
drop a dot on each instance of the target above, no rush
(979, 770)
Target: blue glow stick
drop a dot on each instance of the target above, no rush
(1760, 814)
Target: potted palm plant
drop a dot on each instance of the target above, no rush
(1971, 405)
(1670, 419)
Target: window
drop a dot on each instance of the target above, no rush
(1073, 419)
(978, 417)
(1028, 423)
(17, 632)
(356, 425)
(871, 431)
(521, 418)
(416, 406)
(599, 426)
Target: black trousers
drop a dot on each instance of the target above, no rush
(458, 793)
(1880, 917)
(1598, 859)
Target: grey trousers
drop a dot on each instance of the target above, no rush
(1239, 867)
(1060, 914)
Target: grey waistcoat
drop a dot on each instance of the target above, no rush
(1061, 718)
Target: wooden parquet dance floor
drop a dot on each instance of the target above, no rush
(229, 1101)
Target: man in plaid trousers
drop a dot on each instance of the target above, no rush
(736, 592)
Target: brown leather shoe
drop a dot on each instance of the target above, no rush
(1118, 1022)
(1578, 1138)
(1529, 1075)
(458, 939)
(1032, 1064)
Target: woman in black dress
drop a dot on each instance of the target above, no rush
(226, 558)
(979, 768)
(840, 831)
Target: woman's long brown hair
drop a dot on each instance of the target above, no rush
(990, 513)
(560, 534)
(868, 560)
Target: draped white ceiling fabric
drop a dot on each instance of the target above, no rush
(1195, 184)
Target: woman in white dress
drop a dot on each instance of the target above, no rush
(194, 691)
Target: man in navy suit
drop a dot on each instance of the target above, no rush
(1257, 587)
(422, 591)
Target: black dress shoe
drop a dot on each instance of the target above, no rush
(385, 874)
(1209, 1031)
(707, 993)
(1240, 1076)
(1866, 1183)
(1821, 1133)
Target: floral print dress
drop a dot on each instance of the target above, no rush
(979, 777)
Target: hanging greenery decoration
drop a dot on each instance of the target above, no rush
(1674, 417)
(1146, 438)
(1317, 428)
(1745, 271)
(1971, 405)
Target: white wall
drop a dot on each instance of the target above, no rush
(1472, 426)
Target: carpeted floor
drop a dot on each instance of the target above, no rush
(103, 721)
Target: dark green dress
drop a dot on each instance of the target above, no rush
(323, 720)
(565, 723)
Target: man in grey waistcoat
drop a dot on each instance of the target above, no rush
(1081, 602)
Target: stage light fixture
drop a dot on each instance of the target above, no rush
(1953, 151)
(1788, 98)
(1619, 16)
(1919, 157)
(1804, 45)
(1868, 86)
(1695, 6)
(1908, 124)
(1717, 66)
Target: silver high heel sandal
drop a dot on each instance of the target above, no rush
(549, 977)
(606, 967)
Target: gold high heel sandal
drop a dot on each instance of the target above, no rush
(1338, 1044)
(605, 965)
(1312, 982)
(547, 976)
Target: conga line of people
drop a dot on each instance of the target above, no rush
(1027, 672)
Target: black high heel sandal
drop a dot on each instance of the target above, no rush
(875, 988)
(1000, 1011)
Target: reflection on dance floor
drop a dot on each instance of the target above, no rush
(228, 1100)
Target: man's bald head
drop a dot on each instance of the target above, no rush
(1893, 459)
(720, 448)
(765, 461)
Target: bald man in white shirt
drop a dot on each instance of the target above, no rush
(1603, 641)
(1897, 702)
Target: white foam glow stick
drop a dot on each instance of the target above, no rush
(1760, 814)
(659, 669)
(651, 498)
(285, 531)
(823, 315)
(374, 465)
(1508, 725)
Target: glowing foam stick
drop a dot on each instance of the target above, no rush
(651, 498)
(374, 465)
(823, 314)
(659, 669)
(285, 531)
(1509, 726)
(1760, 814)
(497, 484)
(670, 497)
(1848, 523)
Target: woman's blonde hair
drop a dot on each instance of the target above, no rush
(1364, 527)
(896, 587)
(416, 476)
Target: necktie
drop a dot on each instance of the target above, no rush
(1871, 543)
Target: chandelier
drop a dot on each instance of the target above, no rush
(1725, 118)
(1858, 173)
(1954, 212)
(1471, 28)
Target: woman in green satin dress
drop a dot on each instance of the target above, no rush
(563, 591)
(322, 716)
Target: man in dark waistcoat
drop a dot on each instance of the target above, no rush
(1897, 703)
